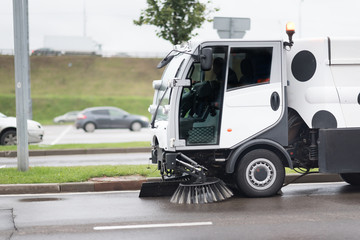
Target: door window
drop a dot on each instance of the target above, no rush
(200, 105)
(101, 112)
(117, 113)
(250, 65)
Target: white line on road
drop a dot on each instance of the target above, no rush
(190, 224)
(61, 135)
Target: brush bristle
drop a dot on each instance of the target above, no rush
(208, 192)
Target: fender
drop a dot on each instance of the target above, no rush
(231, 162)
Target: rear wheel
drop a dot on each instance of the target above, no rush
(260, 174)
(9, 138)
(351, 178)
(89, 127)
(135, 126)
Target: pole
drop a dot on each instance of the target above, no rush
(22, 66)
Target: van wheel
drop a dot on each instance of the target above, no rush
(9, 138)
(89, 127)
(260, 173)
(351, 178)
(135, 126)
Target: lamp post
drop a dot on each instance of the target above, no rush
(22, 67)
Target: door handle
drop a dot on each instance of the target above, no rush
(275, 101)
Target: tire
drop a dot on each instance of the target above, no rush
(89, 127)
(135, 126)
(351, 178)
(260, 173)
(9, 138)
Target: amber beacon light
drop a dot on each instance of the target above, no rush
(290, 30)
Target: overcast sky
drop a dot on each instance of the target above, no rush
(110, 22)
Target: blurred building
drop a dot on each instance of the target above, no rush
(73, 45)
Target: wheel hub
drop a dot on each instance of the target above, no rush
(261, 173)
(11, 140)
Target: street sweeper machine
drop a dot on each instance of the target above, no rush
(233, 114)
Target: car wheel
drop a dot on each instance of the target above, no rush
(9, 138)
(89, 127)
(260, 174)
(135, 126)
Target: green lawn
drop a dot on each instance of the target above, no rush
(45, 108)
(73, 174)
(67, 83)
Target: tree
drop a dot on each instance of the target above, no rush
(175, 19)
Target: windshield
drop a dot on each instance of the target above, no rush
(173, 70)
(2, 115)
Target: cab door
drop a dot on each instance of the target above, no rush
(254, 100)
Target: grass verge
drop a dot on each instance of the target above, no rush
(73, 174)
(80, 146)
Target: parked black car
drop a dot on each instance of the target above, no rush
(109, 117)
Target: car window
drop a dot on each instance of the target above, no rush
(101, 112)
(117, 113)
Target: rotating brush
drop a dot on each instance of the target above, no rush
(211, 190)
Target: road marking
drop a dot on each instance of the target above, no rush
(164, 225)
(61, 135)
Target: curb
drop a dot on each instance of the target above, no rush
(130, 183)
(36, 153)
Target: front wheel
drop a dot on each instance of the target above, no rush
(9, 138)
(351, 178)
(89, 127)
(260, 174)
(135, 126)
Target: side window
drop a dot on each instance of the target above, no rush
(251, 66)
(117, 113)
(101, 112)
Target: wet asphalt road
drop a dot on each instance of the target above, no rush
(303, 211)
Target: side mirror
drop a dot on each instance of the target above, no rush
(206, 59)
(152, 109)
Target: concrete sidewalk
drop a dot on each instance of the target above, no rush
(128, 183)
